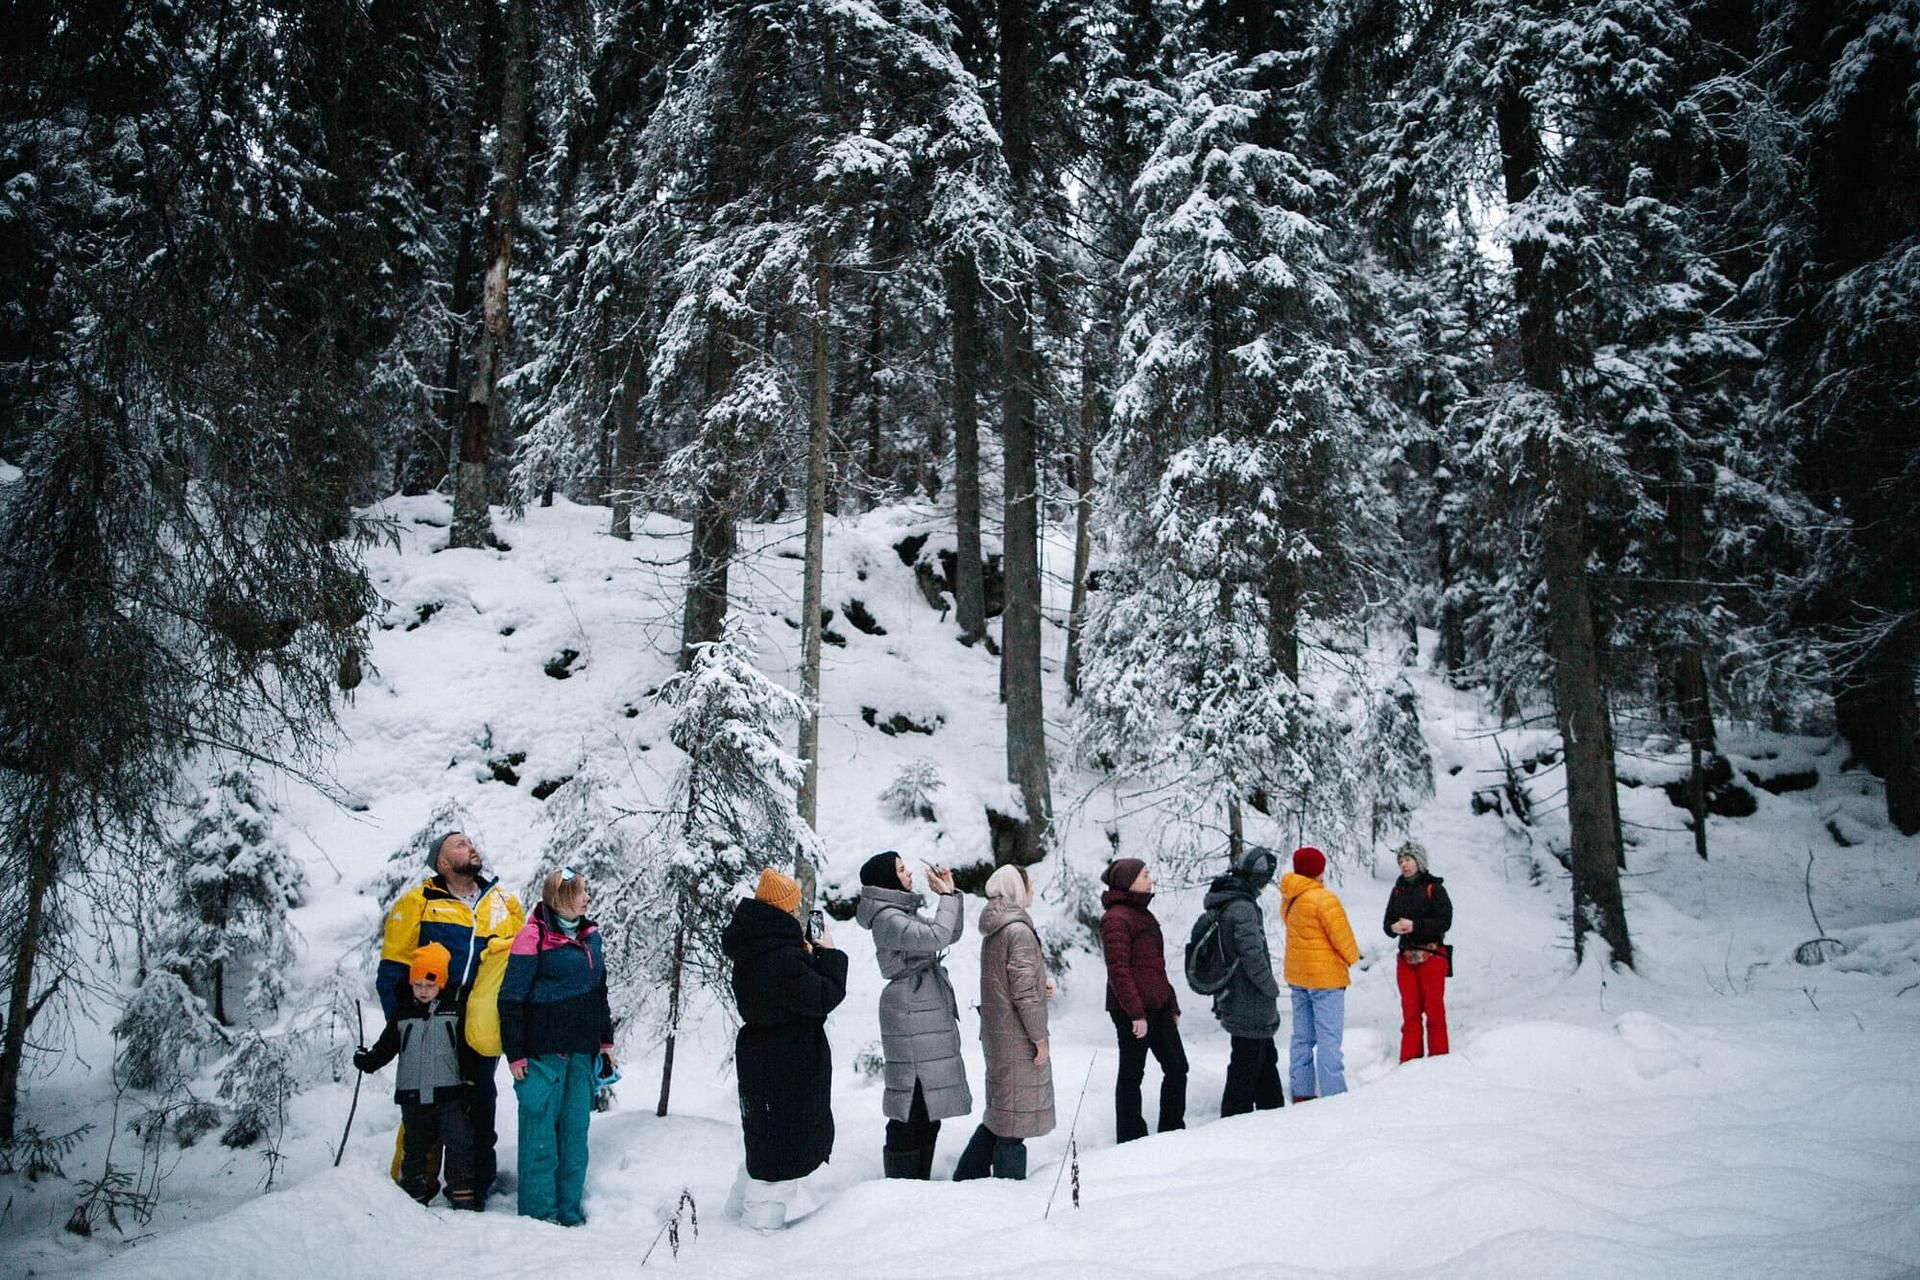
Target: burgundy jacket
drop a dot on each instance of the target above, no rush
(1136, 956)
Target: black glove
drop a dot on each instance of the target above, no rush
(363, 1060)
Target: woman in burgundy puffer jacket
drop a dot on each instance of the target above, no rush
(1145, 1011)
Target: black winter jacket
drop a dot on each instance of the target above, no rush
(781, 1053)
(1249, 1005)
(1424, 901)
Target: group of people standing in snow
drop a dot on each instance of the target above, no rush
(459, 930)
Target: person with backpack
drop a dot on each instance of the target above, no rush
(1320, 950)
(556, 1028)
(919, 1014)
(1227, 958)
(424, 1033)
(1145, 1011)
(1014, 990)
(785, 984)
(1419, 913)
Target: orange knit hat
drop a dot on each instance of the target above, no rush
(430, 964)
(777, 890)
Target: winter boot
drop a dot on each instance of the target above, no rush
(765, 1216)
(924, 1165)
(1299, 1098)
(977, 1159)
(1010, 1159)
(900, 1162)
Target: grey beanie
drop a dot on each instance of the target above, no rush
(1257, 865)
(433, 853)
(1415, 850)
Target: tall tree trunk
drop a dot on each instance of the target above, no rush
(1580, 692)
(1082, 516)
(1687, 520)
(969, 580)
(811, 625)
(21, 1007)
(1020, 627)
(714, 534)
(626, 444)
(1874, 709)
(472, 526)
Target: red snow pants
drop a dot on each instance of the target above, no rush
(1423, 993)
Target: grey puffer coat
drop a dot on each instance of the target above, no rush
(1250, 1004)
(1013, 1022)
(919, 1015)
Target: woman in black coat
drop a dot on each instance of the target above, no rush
(785, 986)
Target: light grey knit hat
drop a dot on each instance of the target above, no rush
(1415, 850)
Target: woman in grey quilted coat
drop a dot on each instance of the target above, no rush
(919, 1016)
(1014, 990)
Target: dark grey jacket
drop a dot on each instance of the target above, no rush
(1249, 1005)
(919, 1015)
(426, 1039)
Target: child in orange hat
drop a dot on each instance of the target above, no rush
(425, 1035)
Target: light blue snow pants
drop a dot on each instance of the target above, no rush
(1319, 1020)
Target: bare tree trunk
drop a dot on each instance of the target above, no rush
(1082, 516)
(1020, 626)
(21, 1007)
(1687, 520)
(673, 1012)
(626, 445)
(969, 582)
(1580, 692)
(472, 526)
(811, 588)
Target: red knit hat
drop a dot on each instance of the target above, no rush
(1309, 861)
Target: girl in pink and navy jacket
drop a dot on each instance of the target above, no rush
(554, 1024)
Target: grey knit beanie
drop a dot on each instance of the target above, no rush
(1415, 850)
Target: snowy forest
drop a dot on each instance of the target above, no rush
(1230, 380)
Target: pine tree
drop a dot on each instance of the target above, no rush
(229, 883)
(736, 799)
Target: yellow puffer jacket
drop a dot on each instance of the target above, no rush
(1320, 943)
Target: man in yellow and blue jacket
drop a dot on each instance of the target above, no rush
(462, 909)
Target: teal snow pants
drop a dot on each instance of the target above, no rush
(556, 1102)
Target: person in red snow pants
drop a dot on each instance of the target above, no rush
(1419, 913)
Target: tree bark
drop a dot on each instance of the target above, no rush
(969, 581)
(1020, 626)
(1874, 709)
(811, 626)
(1687, 520)
(1580, 693)
(1082, 520)
(472, 526)
(673, 1012)
(21, 1008)
(626, 445)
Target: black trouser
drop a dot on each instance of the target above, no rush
(478, 1071)
(916, 1132)
(1253, 1077)
(1163, 1041)
(443, 1123)
(988, 1151)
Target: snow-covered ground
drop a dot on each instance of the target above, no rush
(1721, 1111)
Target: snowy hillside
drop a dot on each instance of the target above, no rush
(1724, 1111)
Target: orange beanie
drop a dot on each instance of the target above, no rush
(777, 890)
(430, 964)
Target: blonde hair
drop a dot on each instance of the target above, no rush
(563, 886)
(1011, 882)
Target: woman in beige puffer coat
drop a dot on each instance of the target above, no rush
(1014, 990)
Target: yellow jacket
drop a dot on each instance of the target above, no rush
(428, 913)
(1320, 944)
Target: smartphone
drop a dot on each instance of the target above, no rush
(816, 924)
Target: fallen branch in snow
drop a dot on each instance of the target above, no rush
(1821, 949)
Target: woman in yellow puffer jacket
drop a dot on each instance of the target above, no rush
(1320, 950)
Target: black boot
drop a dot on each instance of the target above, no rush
(976, 1161)
(924, 1169)
(1010, 1158)
(901, 1162)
